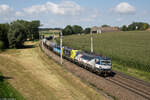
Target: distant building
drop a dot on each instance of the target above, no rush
(148, 29)
(96, 29)
(100, 30)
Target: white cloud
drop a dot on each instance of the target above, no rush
(63, 8)
(61, 14)
(91, 16)
(119, 19)
(5, 9)
(18, 13)
(6, 13)
(125, 8)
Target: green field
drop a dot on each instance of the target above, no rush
(48, 33)
(7, 91)
(125, 48)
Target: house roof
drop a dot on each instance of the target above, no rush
(148, 29)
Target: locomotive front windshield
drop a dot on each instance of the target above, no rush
(106, 62)
(86, 57)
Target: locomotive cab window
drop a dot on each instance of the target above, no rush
(87, 58)
(97, 61)
(105, 62)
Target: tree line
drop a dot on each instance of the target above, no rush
(14, 35)
(75, 29)
(47, 29)
(135, 26)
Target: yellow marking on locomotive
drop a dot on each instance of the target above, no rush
(73, 53)
(62, 50)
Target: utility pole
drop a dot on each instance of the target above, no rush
(39, 36)
(53, 36)
(61, 48)
(136, 27)
(91, 42)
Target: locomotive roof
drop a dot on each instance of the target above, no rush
(96, 56)
(68, 48)
(102, 58)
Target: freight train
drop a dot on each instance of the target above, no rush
(94, 63)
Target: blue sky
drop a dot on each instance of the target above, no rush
(87, 13)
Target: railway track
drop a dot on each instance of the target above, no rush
(135, 85)
(130, 83)
(133, 78)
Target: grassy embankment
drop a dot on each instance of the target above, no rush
(37, 77)
(7, 91)
(130, 51)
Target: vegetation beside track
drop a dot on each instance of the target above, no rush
(129, 50)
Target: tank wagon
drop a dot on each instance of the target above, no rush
(98, 64)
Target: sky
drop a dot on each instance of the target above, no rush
(87, 13)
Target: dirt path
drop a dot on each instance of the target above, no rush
(39, 78)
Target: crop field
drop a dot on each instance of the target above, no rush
(126, 48)
(48, 33)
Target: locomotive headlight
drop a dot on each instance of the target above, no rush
(105, 67)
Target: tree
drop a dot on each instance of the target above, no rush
(32, 29)
(105, 25)
(87, 30)
(3, 34)
(35, 28)
(67, 30)
(1, 45)
(124, 28)
(138, 26)
(17, 34)
(77, 29)
(145, 26)
(133, 26)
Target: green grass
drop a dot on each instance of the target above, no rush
(125, 48)
(48, 33)
(7, 91)
(143, 75)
